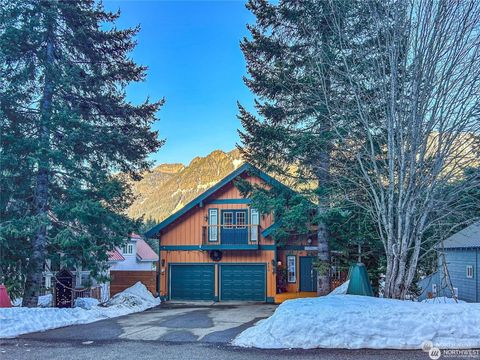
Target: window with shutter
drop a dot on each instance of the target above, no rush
(212, 225)
(254, 221)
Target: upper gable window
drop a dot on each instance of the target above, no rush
(127, 249)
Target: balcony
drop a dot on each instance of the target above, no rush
(230, 237)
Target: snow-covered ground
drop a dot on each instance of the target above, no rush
(442, 300)
(354, 322)
(19, 320)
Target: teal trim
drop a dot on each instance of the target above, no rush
(208, 228)
(215, 298)
(232, 176)
(230, 201)
(270, 230)
(216, 247)
(159, 269)
(163, 298)
(230, 247)
(270, 300)
(180, 247)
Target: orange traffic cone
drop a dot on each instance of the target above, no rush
(4, 298)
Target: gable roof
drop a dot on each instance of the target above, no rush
(145, 252)
(466, 238)
(245, 168)
(115, 255)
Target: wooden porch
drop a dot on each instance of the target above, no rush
(279, 298)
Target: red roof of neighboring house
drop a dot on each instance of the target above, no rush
(115, 255)
(145, 252)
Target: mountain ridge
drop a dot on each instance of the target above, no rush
(168, 187)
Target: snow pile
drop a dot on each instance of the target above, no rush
(136, 295)
(355, 322)
(19, 320)
(340, 290)
(43, 301)
(442, 300)
(86, 303)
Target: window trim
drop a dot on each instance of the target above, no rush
(294, 279)
(212, 230)
(255, 222)
(469, 271)
(127, 249)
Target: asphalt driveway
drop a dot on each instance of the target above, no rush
(175, 322)
(173, 331)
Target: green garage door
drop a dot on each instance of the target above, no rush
(192, 282)
(242, 282)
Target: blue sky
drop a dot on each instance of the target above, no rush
(194, 59)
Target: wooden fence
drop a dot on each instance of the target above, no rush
(124, 279)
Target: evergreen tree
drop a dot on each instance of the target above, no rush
(66, 129)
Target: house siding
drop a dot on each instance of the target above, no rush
(457, 262)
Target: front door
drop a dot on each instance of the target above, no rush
(308, 275)
(234, 227)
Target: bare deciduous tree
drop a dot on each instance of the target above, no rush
(414, 150)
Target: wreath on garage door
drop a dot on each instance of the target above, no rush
(216, 255)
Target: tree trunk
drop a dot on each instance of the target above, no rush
(34, 274)
(323, 276)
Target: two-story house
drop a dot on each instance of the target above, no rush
(219, 248)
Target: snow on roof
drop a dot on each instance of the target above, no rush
(145, 252)
(466, 238)
(115, 255)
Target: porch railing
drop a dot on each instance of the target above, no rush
(230, 234)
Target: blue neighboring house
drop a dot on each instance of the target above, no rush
(462, 253)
